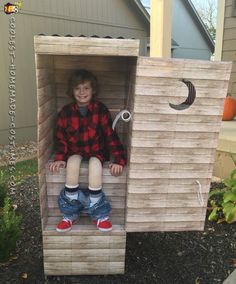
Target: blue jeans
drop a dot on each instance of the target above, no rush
(73, 209)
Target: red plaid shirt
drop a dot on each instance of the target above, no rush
(89, 136)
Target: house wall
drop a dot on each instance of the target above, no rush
(183, 29)
(229, 42)
(74, 17)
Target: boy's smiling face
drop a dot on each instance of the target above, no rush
(83, 93)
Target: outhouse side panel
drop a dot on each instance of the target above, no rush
(46, 116)
(172, 150)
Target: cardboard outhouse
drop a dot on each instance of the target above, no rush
(176, 107)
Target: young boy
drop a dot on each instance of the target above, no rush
(84, 131)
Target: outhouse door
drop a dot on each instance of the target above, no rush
(176, 112)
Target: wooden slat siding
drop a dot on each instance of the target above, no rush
(162, 167)
(98, 268)
(84, 179)
(45, 142)
(44, 77)
(83, 268)
(43, 61)
(107, 178)
(229, 44)
(161, 109)
(172, 174)
(45, 94)
(170, 210)
(98, 63)
(230, 24)
(84, 255)
(167, 217)
(230, 34)
(166, 143)
(167, 117)
(45, 116)
(177, 88)
(172, 155)
(167, 226)
(46, 109)
(84, 250)
(43, 205)
(43, 159)
(176, 185)
(84, 242)
(169, 152)
(46, 126)
(164, 182)
(85, 46)
(228, 55)
(130, 103)
(183, 68)
(172, 159)
(174, 152)
(165, 200)
(163, 100)
(172, 83)
(109, 78)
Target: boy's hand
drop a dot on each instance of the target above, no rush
(54, 166)
(115, 169)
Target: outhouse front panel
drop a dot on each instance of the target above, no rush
(176, 121)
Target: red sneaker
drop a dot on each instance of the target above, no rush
(103, 224)
(64, 225)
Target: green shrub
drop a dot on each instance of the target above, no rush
(223, 201)
(3, 194)
(9, 230)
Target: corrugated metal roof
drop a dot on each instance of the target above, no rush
(93, 36)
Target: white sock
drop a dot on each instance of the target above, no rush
(94, 198)
(74, 194)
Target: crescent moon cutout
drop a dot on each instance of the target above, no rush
(190, 98)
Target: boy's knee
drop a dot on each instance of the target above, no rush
(95, 162)
(74, 159)
(95, 173)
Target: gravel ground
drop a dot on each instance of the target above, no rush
(179, 258)
(23, 151)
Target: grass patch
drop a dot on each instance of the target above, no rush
(23, 169)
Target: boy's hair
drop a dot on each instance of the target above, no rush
(79, 77)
